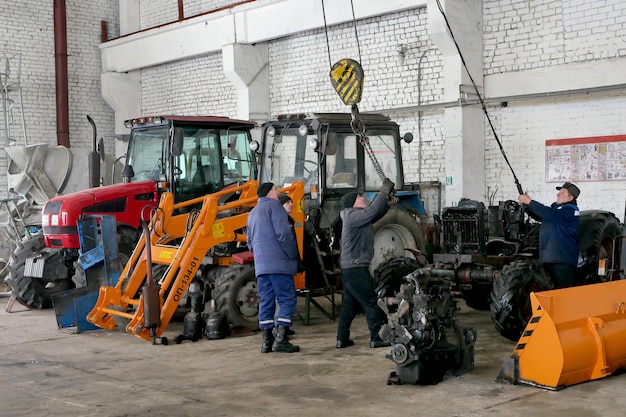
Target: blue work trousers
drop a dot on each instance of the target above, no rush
(276, 288)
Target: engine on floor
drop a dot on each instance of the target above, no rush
(427, 341)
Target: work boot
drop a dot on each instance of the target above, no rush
(281, 341)
(378, 343)
(268, 340)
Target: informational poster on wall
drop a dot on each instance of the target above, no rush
(599, 158)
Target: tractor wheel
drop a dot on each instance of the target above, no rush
(394, 233)
(388, 276)
(4, 287)
(597, 232)
(510, 298)
(236, 295)
(32, 292)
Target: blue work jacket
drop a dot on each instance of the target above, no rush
(271, 239)
(558, 234)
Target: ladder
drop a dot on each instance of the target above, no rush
(11, 96)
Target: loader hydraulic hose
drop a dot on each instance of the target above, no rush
(482, 103)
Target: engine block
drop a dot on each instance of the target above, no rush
(427, 341)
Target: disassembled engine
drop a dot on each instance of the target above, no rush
(427, 341)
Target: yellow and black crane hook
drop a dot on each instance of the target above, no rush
(347, 77)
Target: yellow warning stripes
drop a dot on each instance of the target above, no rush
(346, 76)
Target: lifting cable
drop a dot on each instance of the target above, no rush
(346, 77)
(517, 183)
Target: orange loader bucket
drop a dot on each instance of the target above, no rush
(575, 335)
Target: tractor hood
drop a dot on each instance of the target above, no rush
(124, 201)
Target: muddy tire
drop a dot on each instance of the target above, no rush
(394, 233)
(388, 276)
(510, 297)
(597, 232)
(236, 295)
(32, 292)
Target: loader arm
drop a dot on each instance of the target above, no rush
(180, 242)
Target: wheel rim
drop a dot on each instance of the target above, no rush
(248, 299)
(391, 241)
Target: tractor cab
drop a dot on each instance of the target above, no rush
(189, 156)
(325, 153)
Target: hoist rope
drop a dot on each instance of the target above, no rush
(330, 62)
(493, 130)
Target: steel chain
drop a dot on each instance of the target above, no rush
(358, 127)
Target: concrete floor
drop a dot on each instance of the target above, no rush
(51, 372)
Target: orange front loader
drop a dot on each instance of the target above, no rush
(575, 335)
(180, 242)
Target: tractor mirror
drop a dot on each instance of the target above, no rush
(408, 137)
(177, 143)
(128, 172)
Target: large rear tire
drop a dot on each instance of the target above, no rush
(394, 233)
(388, 276)
(510, 297)
(597, 232)
(32, 292)
(236, 295)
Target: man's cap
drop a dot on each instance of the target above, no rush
(283, 198)
(264, 189)
(348, 199)
(573, 190)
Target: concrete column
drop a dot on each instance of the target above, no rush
(246, 66)
(464, 128)
(129, 17)
(122, 91)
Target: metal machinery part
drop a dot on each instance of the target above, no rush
(427, 341)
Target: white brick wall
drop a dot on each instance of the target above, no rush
(523, 129)
(522, 35)
(159, 12)
(518, 36)
(193, 87)
(533, 34)
(299, 65)
(28, 27)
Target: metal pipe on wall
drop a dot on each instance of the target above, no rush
(60, 66)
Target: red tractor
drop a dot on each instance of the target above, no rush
(188, 156)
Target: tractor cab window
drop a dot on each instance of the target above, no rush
(341, 168)
(201, 150)
(238, 161)
(147, 153)
(197, 169)
(287, 157)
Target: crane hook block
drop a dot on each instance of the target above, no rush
(346, 76)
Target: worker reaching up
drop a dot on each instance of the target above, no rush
(357, 251)
(558, 233)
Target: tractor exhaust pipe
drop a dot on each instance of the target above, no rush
(94, 158)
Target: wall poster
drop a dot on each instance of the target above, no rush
(599, 158)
